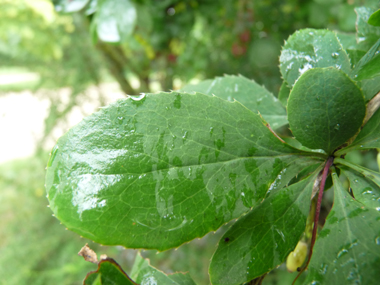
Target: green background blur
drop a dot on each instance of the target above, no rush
(57, 62)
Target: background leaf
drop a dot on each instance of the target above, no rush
(325, 109)
(108, 272)
(262, 239)
(248, 92)
(347, 250)
(283, 95)
(144, 273)
(369, 65)
(374, 19)
(310, 48)
(367, 34)
(115, 19)
(173, 165)
(69, 6)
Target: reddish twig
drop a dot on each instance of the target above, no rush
(328, 164)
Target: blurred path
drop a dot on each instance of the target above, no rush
(22, 116)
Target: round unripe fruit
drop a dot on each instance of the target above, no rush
(325, 109)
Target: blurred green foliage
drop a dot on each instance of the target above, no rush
(172, 42)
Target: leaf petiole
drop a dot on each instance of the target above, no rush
(325, 173)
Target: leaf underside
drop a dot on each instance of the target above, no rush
(108, 272)
(144, 273)
(247, 92)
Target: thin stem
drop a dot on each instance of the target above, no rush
(328, 164)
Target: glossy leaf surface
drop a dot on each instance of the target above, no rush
(369, 136)
(69, 6)
(263, 239)
(115, 20)
(108, 273)
(347, 250)
(310, 48)
(171, 165)
(248, 92)
(374, 19)
(365, 190)
(367, 34)
(145, 274)
(325, 109)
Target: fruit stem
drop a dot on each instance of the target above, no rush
(325, 173)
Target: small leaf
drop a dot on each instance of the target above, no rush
(144, 273)
(370, 87)
(369, 65)
(311, 48)
(69, 6)
(115, 20)
(283, 95)
(347, 250)
(369, 174)
(169, 165)
(365, 191)
(108, 272)
(247, 92)
(367, 34)
(369, 136)
(374, 19)
(325, 109)
(263, 239)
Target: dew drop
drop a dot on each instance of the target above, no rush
(335, 55)
(341, 253)
(337, 127)
(137, 98)
(377, 240)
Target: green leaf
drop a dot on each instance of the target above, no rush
(370, 87)
(69, 6)
(365, 191)
(169, 165)
(115, 20)
(347, 250)
(108, 273)
(369, 174)
(374, 19)
(354, 50)
(371, 69)
(283, 95)
(261, 240)
(367, 34)
(369, 136)
(325, 109)
(144, 273)
(247, 92)
(369, 65)
(311, 48)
